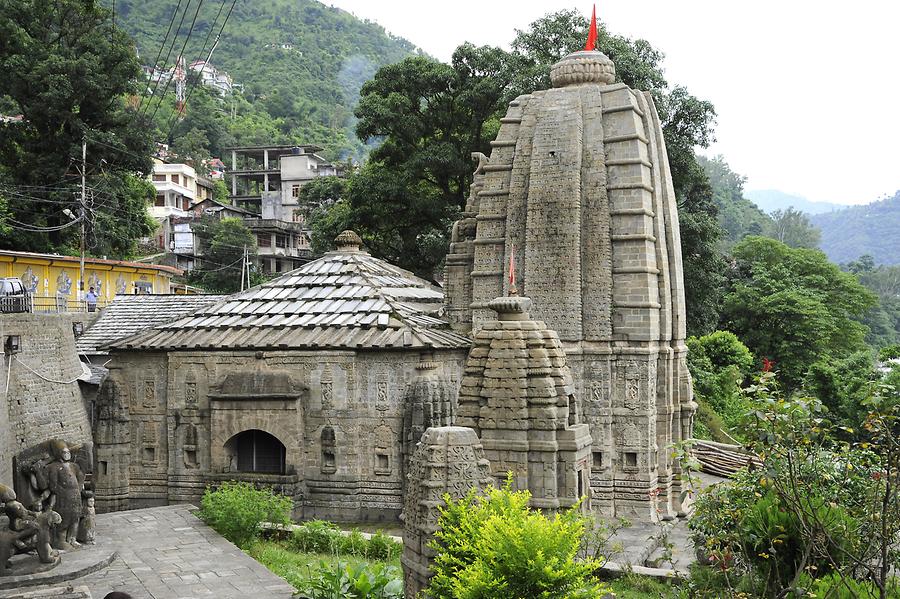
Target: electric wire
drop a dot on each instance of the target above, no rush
(174, 120)
(156, 62)
(181, 54)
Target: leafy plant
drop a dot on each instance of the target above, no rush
(236, 510)
(382, 547)
(493, 545)
(316, 536)
(360, 581)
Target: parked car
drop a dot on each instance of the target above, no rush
(13, 296)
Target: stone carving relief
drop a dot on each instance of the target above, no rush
(189, 447)
(190, 395)
(327, 387)
(634, 373)
(385, 440)
(149, 443)
(149, 399)
(382, 400)
(329, 452)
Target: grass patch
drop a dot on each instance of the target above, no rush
(634, 586)
(297, 568)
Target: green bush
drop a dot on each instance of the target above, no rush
(360, 581)
(834, 586)
(383, 547)
(236, 510)
(317, 536)
(493, 545)
(353, 544)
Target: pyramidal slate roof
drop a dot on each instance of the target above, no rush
(345, 300)
(130, 314)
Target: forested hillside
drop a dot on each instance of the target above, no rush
(738, 216)
(873, 229)
(301, 64)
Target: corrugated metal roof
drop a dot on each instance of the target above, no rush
(129, 314)
(344, 300)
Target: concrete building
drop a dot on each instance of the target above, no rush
(267, 179)
(312, 383)
(212, 77)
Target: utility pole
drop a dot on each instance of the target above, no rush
(243, 265)
(81, 215)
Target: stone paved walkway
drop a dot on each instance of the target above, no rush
(168, 553)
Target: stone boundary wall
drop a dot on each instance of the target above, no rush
(34, 409)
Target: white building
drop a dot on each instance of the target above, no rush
(176, 189)
(210, 76)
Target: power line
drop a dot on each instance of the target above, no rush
(183, 46)
(141, 107)
(174, 120)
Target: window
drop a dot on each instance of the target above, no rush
(264, 240)
(631, 459)
(597, 464)
(295, 191)
(256, 451)
(280, 241)
(176, 179)
(159, 177)
(160, 201)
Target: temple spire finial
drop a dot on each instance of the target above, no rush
(592, 33)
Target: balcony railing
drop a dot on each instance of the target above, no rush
(59, 304)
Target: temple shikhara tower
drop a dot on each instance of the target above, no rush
(578, 183)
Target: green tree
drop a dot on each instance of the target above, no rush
(737, 215)
(792, 227)
(793, 306)
(67, 70)
(223, 242)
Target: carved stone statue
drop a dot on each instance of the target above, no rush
(46, 522)
(66, 484)
(86, 526)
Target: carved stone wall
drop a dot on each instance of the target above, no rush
(43, 400)
(447, 460)
(167, 418)
(578, 183)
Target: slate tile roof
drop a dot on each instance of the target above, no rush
(345, 300)
(130, 314)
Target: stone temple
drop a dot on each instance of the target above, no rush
(322, 382)
(578, 186)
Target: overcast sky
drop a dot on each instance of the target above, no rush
(806, 92)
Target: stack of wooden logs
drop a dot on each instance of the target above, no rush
(722, 459)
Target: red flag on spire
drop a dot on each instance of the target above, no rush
(592, 34)
(512, 268)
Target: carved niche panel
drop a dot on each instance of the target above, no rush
(149, 397)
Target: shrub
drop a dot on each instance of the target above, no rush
(362, 581)
(353, 544)
(493, 545)
(382, 547)
(317, 536)
(236, 510)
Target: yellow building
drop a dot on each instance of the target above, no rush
(52, 278)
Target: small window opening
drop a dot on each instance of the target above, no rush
(631, 460)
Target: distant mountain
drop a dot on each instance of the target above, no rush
(872, 229)
(770, 200)
(301, 63)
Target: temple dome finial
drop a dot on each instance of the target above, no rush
(348, 241)
(586, 66)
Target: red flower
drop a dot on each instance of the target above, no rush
(768, 365)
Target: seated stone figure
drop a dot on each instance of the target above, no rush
(46, 522)
(66, 485)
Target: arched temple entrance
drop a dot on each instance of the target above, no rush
(256, 451)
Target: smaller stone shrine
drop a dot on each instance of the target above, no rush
(517, 395)
(448, 461)
(49, 511)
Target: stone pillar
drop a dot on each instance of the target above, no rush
(112, 439)
(448, 460)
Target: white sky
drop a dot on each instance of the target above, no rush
(806, 92)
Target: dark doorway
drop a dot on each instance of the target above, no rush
(258, 451)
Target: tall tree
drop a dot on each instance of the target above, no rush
(67, 70)
(793, 306)
(792, 227)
